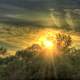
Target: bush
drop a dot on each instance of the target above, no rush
(3, 50)
(26, 65)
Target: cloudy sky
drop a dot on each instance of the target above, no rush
(34, 14)
(43, 3)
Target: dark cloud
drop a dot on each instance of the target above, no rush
(43, 3)
(19, 22)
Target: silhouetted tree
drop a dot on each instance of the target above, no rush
(29, 52)
(63, 40)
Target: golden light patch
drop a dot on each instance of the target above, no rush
(46, 39)
(47, 43)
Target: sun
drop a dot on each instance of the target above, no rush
(48, 48)
(47, 44)
(46, 40)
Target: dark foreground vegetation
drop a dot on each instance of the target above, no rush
(29, 65)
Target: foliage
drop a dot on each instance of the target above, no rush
(63, 40)
(27, 64)
(3, 50)
(29, 53)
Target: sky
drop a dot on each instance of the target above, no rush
(34, 14)
(38, 11)
(43, 3)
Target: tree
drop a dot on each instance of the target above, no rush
(63, 41)
(29, 52)
(3, 50)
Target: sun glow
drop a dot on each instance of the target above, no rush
(47, 43)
